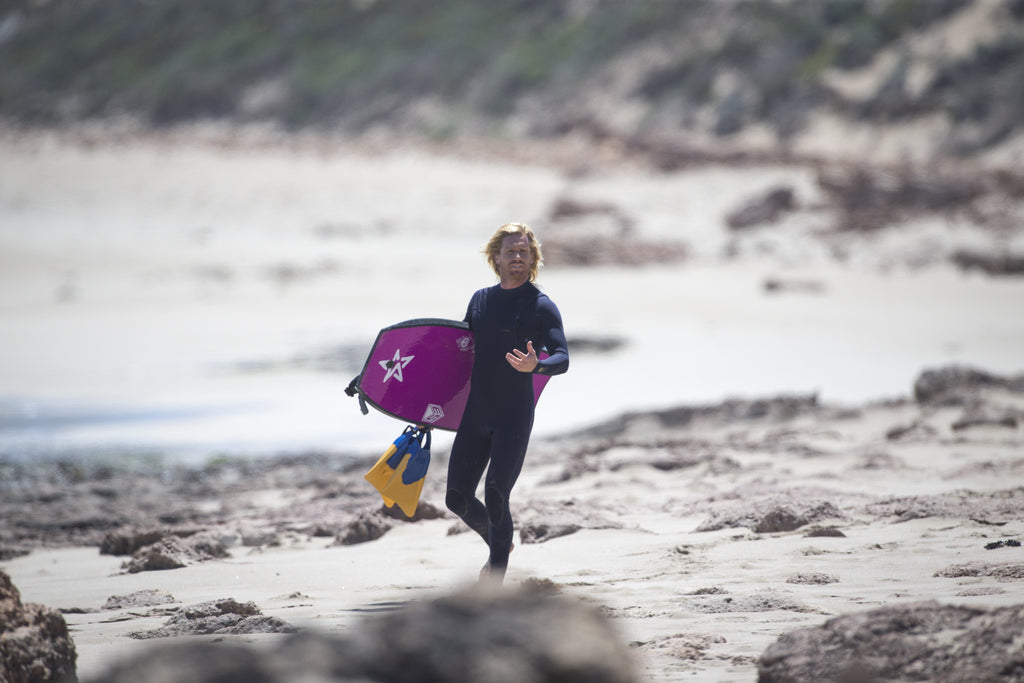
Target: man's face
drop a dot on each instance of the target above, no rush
(514, 260)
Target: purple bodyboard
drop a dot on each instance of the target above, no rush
(419, 371)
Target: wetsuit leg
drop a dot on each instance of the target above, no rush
(508, 451)
(466, 464)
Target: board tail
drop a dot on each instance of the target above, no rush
(353, 390)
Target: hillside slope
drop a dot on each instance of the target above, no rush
(941, 76)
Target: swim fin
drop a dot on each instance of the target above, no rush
(406, 484)
(386, 465)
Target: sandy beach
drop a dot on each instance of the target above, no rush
(744, 444)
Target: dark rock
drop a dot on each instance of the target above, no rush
(9, 552)
(512, 636)
(778, 285)
(870, 199)
(825, 532)
(217, 617)
(990, 264)
(568, 208)
(880, 461)
(954, 385)
(980, 590)
(174, 553)
(424, 510)
(365, 527)
(539, 532)
(765, 208)
(595, 343)
(252, 536)
(143, 598)
(814, 578)
(127, 541)
(761, 601)
(35, 646)
(991, 507)
(986, 416)
(779, 519)
(915, 642)
(916, 428)
(542, 521)
(664, 457)
(623, 251)
(766, 517)
(691, 646)
(731, 411)
(1004, 571)
(539, 586)
(77, 610)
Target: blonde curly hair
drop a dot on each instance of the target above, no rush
(493, 247)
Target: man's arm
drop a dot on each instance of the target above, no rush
(557, 361)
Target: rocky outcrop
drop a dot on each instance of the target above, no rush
(127, 540)
(776, 514)
(174, 553)
(990, 264)
(226, 616)
(143, 598)
(957, 385)
(766, 208)
(367, 526)
(914, 642)
(513, 636)
(35, 646)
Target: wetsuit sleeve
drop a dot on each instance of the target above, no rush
(469, 311)
(557, 361)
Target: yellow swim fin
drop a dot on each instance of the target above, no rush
(406, 484)
(386, 465)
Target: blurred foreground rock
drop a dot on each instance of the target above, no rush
(35, 646)
(518, 637)
(915, 642)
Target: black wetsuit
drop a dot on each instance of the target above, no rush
(496, 425)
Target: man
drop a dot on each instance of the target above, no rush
(511, 321)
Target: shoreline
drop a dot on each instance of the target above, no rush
(702, 533)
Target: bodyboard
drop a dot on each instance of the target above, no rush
(419, 371)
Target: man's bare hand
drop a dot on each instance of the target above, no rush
(523, 362)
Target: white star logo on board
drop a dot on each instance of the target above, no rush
(395, 365)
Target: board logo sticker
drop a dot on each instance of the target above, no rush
(464, 343)
(395, 365)
(433, 413)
